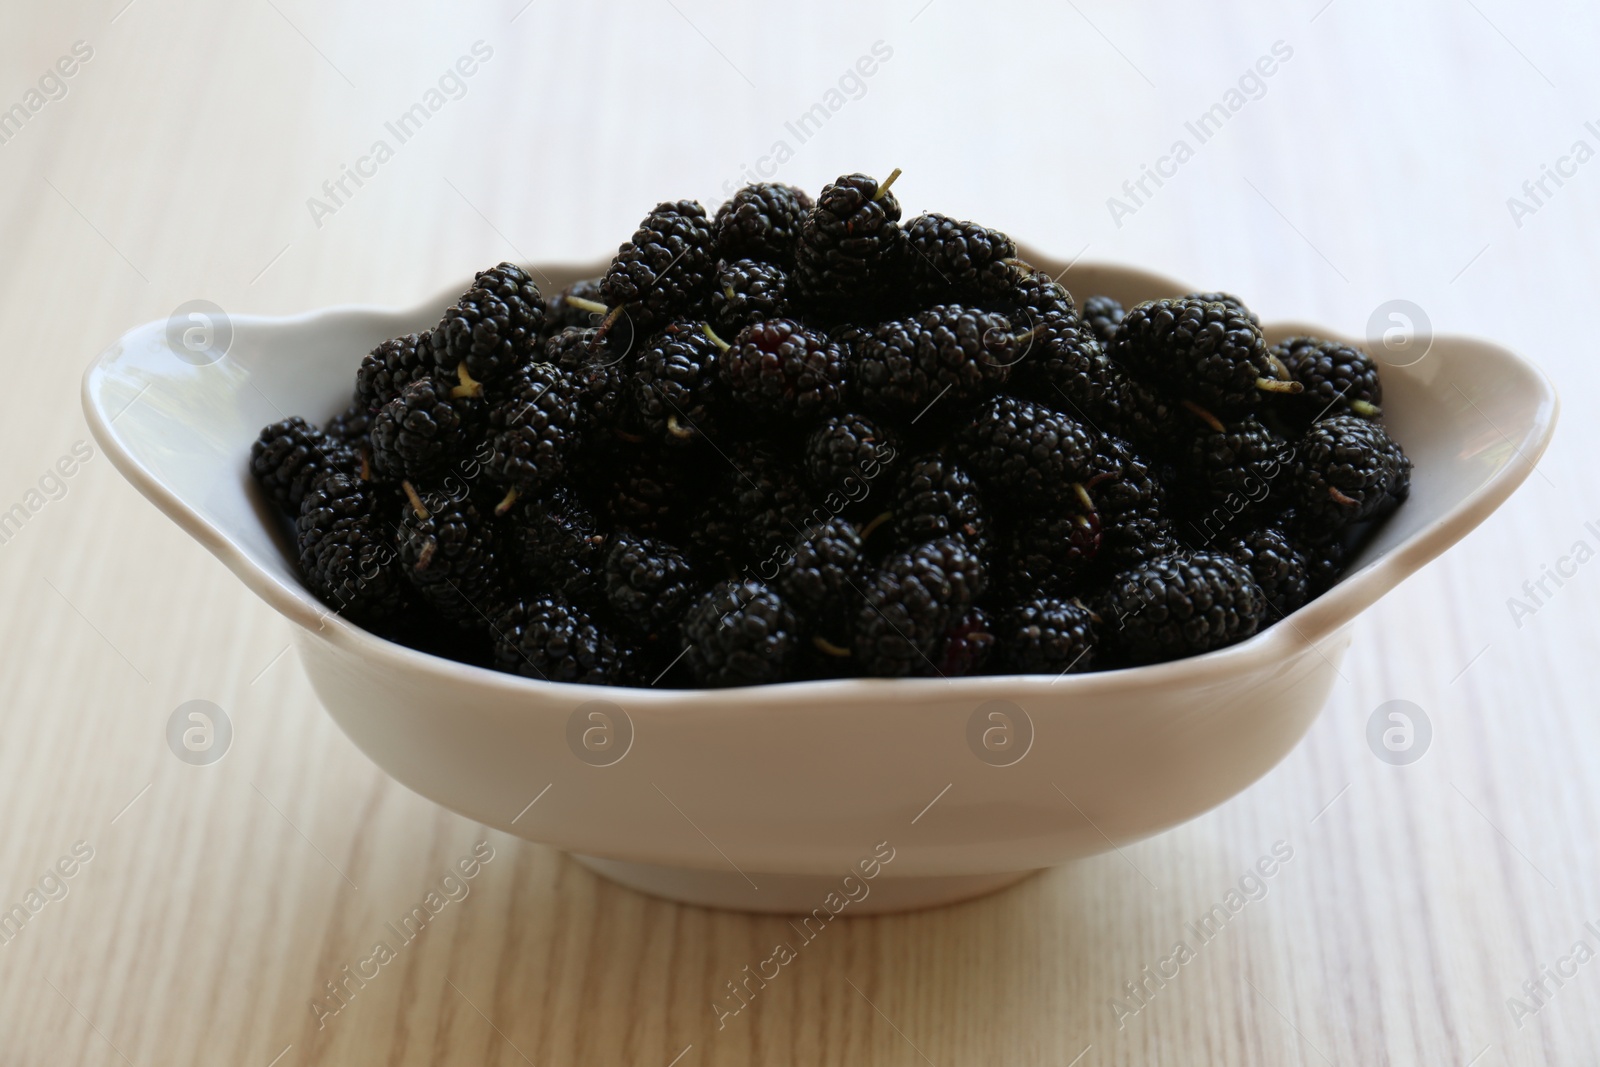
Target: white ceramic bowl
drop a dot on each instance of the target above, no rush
(766, 799)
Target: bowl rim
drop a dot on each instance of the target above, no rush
(1308, 627)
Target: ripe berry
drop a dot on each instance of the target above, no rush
(674, 385)
(954, 260)
(947, 353)
(739, 633)
(288, 457)
(912, 602)
(1103, 315)
(391, 366)
(346, 552)
(1277, 565)
(850, 241)
(533, 430)
(1347, 470)
(422, 429)
(550, 639)
(762, 222)
(1047, 635)
(781, 369)
(664, 270)
(1338, 379)
(493, 328)
(446, 550)
(1024, 453)
(1181, 605)
(1211, 354)
(648, 583)
(746, 291)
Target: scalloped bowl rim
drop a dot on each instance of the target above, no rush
(1310, 625)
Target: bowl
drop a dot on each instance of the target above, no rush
(808, 797)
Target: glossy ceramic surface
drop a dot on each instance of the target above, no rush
(765, 798)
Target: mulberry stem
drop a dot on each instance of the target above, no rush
(416, 501)
(609, 321)
(711, 335)
(872, 527)
(468, 386)
(593, 307)
(1273, 385)
(425, 557)
(1205, 416)
(1340, 498)
(828, 648)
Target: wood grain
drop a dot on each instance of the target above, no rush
(1376, 163)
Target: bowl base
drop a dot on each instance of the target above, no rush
(795, 894)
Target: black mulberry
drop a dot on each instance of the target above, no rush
(739, 633)
(664, 270)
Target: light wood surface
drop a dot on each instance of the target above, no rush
(219, 899)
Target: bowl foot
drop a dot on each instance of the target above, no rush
(795, 894)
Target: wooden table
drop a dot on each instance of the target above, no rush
(186, 157)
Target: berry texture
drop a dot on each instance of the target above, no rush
(1228, 300)
(665, 268)
(675, 387)
(781, 369)
(1241, 467)
(936, 497)
(289, 455)
(762, 222)
(953, 260)
(1024, 452)
(1063, 364)
(1103, 315)
(948, 353)
(1051, 547)
(447, 552)
(849, 242)
(912, 602)
(1131, 502)
(1277, 565)
(739, 633)
(1046, 635)
(747, 291)
(1347, 470)
(556, 545)
(823, 580)
(802, 440)
(346, 553)
(391, 366)
(1338, 379)
(351, 426)
(550, 639)
(420, 430)
(533, 431)
(493, 328)
(1209, 353)
(845, 455)
(598, 371)
(1181, 605)
(968, 646)
(649, 583)
(1325, 562)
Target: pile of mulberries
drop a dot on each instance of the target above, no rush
(802, 438)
